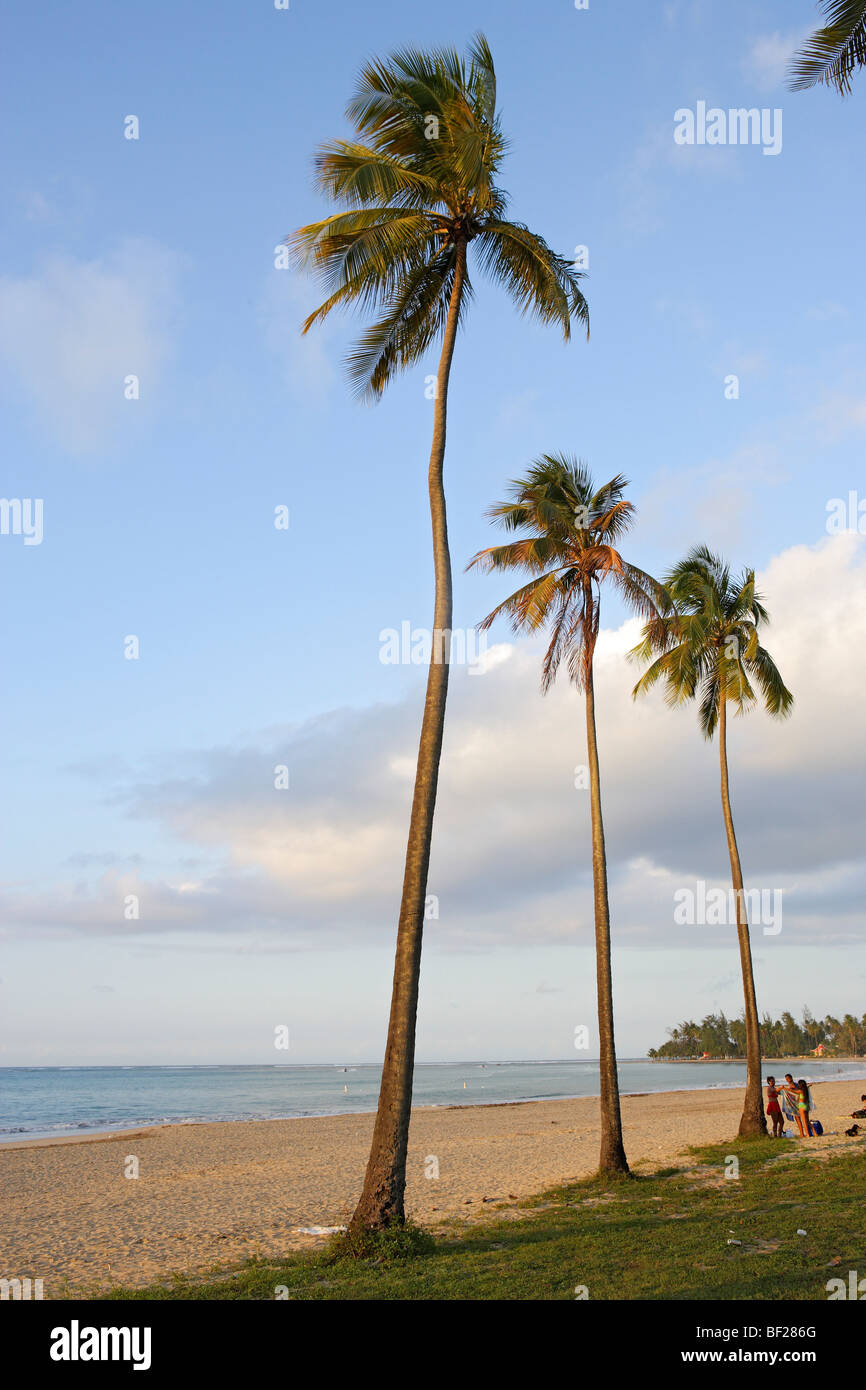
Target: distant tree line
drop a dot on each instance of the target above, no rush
(718, 1036)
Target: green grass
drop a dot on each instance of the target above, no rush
(658, 1237)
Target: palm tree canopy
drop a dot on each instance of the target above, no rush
(707, 637)
(832, 53)
(568, 549)
(418, 185)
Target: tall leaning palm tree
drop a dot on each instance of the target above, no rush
(570, 528)
(706, 646)
(419, 196)
(831, 54)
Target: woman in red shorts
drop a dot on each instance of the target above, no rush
(774, 1109)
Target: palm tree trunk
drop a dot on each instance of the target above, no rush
(612, 1158)
(381, 1202)
(752, 1122)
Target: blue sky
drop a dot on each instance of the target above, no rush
(155, 257)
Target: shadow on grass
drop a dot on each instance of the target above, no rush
(668, 1235)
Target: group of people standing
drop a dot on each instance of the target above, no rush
(791, 1100)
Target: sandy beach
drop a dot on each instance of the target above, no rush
(214, 1194)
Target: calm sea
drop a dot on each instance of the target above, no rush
(43, 1102)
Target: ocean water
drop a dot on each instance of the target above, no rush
(44, 1102)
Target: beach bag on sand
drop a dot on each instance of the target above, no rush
(816, 1126)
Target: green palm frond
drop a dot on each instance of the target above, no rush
(393, 93)
(705, 641)
(420, 180)
(483, 79)
(359, 176)
(570, 522)
(710, 706)
(654, 672)
(607, 498)
(415, 316)
(539, 281)
(365, 256)
(777, 698)
(832, 54)
(738, 689)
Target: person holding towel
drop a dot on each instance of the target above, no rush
(788, 1099)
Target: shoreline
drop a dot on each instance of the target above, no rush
(216, 1193)
(40, 1139)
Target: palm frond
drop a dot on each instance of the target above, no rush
(653, 673)
(354, 174)
(533, 553)
(364, 257)
(580, 644)
(482, 82)
(706, 632)
(642, 594)
(415, 315)
(710, 706)
(542, 283)
(529, 607)
(569, 521)
(831, 55)
(777, 697)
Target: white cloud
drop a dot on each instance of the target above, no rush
(74, 330)
(492, 657)
(322, 862)
(769, 56)
(710, 502)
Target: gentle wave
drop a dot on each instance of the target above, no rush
(48, 1102)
